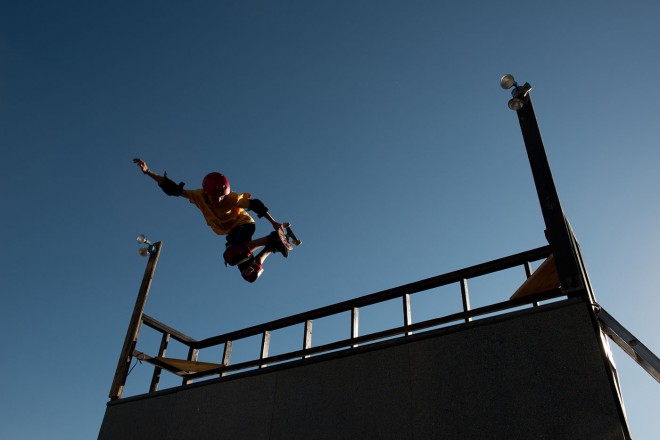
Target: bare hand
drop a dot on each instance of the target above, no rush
(142, 164)
(276, 225)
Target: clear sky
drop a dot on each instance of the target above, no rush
(377, 127)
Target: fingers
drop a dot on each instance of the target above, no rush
(142, 164)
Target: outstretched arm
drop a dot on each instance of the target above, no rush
(168, 186)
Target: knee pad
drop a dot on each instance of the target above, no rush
(251, 270)
(237, 254)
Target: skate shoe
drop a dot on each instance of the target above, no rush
(276, 244)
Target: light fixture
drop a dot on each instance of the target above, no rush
(518, 94)
(515, 104)
(507, 81)
(144, 251)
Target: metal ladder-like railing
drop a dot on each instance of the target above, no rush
(629, 343)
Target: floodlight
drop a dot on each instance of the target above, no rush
(149, 250)
(515, 104)
(507, 81)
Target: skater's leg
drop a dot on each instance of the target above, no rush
(261, 256)
(271, 243)
(258, 243)
(241, 234)
(237, 247)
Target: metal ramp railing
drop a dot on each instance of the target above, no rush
(629, 343)
(190, 369)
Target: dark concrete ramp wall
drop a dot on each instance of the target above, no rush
(530, 375)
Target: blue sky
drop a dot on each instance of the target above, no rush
(377, 127)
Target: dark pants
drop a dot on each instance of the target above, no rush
(241, 234)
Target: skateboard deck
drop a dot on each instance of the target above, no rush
(286, 234)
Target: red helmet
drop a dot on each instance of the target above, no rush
(216, 184)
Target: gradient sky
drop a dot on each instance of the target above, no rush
(377, 127)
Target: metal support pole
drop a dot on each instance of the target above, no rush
(559, 235)
(133, 331)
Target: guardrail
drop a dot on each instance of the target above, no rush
(186, 369)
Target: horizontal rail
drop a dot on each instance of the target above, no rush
(165, 329)
(385, 295)
(346, 343)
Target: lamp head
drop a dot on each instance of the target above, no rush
(149, 250)
(519, 94)
(516, 104)
(507, 81)
(142, 239)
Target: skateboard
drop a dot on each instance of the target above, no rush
(285, 233)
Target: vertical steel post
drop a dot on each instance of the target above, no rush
(226, 356)
(265, 345)
(155, 379)
(407, 312)
(528, 273)
(193, 354)
(465, 295)
(124, 363)
(355, 324)
(307, 339)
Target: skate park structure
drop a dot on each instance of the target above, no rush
(535, 365)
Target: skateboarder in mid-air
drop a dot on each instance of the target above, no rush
(225, 212)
